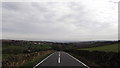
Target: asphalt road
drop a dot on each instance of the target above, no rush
(60, 60)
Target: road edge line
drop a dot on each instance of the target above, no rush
(43, 60)
(78, 60)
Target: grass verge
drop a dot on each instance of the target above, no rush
(97, 59)
(31, 64)
(24, 60)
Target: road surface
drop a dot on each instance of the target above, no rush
(60, 60)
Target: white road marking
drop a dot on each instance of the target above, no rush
(78, 61)
(43, 60)
(59, 53)
(59, 59)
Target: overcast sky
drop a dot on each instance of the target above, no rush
(60, 21)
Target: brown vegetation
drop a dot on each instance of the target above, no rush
(18, 60)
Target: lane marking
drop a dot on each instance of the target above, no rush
(78, 60)
(43, 60)
(58, 59)
(59, 53)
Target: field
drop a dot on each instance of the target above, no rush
(26, 54)
(20, 54)
(105, 56)
(106, 48)
(17, 49)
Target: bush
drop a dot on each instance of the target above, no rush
(103, 59)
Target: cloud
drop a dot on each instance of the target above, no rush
(66, 21)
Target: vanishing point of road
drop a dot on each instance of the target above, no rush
(60, 60)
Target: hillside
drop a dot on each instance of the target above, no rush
(106, 48)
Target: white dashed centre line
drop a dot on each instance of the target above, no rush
(59, 54)
(59, 58)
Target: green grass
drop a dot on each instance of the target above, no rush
(106, 48)
(17, 49)
(0, 57)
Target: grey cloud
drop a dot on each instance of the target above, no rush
(69, 21)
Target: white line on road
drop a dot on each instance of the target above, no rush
(78, 61)
(43, 60)
(58, 59)
(59, 53)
